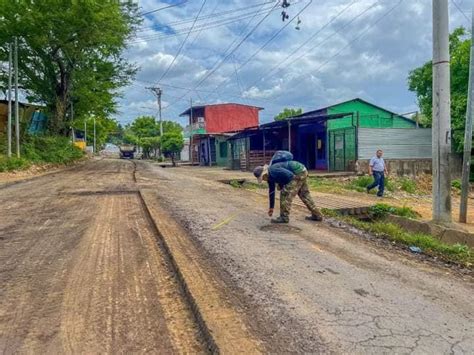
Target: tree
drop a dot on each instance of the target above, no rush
(104, 127)
(173, 143)
(70, 51)
(288, 112)
(145, 126)
(420, 81)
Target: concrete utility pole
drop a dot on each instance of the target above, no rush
(17, 112)
(94, 147)
(85, 131)
(10, 74)
(157, 91)
(441, 137)
(468, 134)
(191, 148)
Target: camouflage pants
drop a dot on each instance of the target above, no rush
(297, 186)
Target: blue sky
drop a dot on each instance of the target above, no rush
(344, 49)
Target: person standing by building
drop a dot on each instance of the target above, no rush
(378, 169)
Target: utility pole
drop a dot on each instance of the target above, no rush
(85, 131)
(441, 137)
(94, 147)
(17, 113)
(191, 148)
(157, 91)
(10, 74)
(467, 135)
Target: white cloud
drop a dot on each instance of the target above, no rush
(332, 67)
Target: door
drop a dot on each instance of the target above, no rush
(339, 158)
(320, 143)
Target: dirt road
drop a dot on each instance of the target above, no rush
(313, 288)
(81, 270)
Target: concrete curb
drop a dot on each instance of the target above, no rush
(221, 325)
(444, 234)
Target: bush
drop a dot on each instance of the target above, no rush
(381, 210)
(51, 149)
(13, 163)
(408, 185)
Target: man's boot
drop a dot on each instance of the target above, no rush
(280, 220)
(314, 217)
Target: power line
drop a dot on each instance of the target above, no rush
(298, 82)
(267, 42)
(212, 15)
(215, 67)
(183, 43)
(162, 8)
(461, 11)
(305, 53)
(313, 36)
(210, 25)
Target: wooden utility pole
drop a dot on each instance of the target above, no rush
(467, 135)
(441, 138)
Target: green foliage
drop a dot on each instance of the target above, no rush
(408, 185)
(420, 82)
(70, 52)
(456, 184)
(50, 149)
(13, 163)
(361, 182)
(288, 112)
(429, 244)
(172, 144)
(105, 129)
(380, 210)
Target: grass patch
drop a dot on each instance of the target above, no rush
(408, 185)
(457, 253)
(456, 184)
(380, 210)
(13, 163)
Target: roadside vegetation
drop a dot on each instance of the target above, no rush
(457, 253)
(42, 150)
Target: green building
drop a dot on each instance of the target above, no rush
(340, 137)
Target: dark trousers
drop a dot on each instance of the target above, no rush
(379, 180)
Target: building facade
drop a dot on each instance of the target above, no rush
(211, 125)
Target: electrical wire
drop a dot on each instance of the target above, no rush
(218, 14)
(210, 25)
(298, 82)
(461, 11)
(182, 44)
(312, 37)
(162, 8)
(229, 54)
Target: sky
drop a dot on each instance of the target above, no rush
(241, 51)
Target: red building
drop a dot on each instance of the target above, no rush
(209, 125)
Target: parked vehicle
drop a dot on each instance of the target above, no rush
(127, 151)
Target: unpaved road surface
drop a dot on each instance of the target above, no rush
(311, 288)
(82, 271)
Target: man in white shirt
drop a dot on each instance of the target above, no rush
(378, 169)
